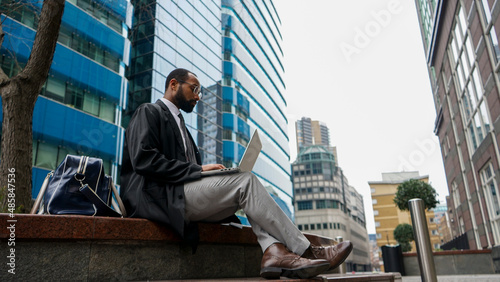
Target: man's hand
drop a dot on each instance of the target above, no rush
(211, 167)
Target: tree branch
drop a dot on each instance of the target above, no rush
(40, 60)
(4, 79)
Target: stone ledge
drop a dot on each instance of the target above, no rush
(85, 248)
(67, 227)
(71, 227)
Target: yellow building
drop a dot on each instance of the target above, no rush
(386, 213)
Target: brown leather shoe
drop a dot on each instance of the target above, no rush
(334, 254)
(278, 260)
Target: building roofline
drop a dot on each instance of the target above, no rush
(394, 182)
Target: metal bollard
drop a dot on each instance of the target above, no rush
(342, 268)
(422, 240)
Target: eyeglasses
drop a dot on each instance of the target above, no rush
(196, 89)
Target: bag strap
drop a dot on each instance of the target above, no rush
(39, 198)
(118, 199)
(101, 207)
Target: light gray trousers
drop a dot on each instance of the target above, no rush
(214, 198)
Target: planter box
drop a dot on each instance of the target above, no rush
(453, 262)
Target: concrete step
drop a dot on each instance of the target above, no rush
(458, 278)
(349, 277)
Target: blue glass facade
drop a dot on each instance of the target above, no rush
(242, 78)
(92, 90)
(79, 108)
(252, 81)
(171, 34)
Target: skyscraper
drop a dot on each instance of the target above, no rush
(313, 132)
(304, 133)
(253, 91)
(461, 47)
(79, 108)
(92, 85)
(171, 34)
(327, 205)
(234, 49)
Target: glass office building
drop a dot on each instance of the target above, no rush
(92, 90)
(234, 49)
(80, 106)
(253, 92)
(171, 34)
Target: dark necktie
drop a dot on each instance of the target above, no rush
(189, 146)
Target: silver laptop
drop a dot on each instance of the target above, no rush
(247, 161)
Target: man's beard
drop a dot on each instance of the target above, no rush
(183, 103)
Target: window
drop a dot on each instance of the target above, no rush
(491, 190)
(431, 220)
(375, 212)
(91, 104)
(372, 190)
(377, 223)
(304, 205)
(456, 195)
(434, 232)
(318, 226)
(300, 227)
(486, 11)
(374, 201)
(55, 89)
(325, 225)
(313, 226)
(46, 156)
(321, 204)
(107, 110)
(379, 236)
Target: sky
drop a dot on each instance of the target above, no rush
(359, 66)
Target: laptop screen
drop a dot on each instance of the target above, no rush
(251, 153)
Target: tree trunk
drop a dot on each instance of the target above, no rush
(19, 95)
(16, 146)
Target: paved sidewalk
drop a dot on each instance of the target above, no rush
(458, 278)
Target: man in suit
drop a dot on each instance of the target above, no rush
(161, 181)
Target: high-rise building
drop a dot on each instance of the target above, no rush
(320, 133)
(171, 34)
(388, 216)
(253, 91)
(327, 205)
(91, 84)
(234, 49)
(460, 40)
(79, 108)
(313, 132)
(304, 133)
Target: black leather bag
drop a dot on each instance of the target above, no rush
(79, 186)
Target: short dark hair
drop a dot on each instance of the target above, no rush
(178, 74)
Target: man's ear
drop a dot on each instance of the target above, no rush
(173, 83)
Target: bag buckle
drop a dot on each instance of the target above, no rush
(80, 177)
